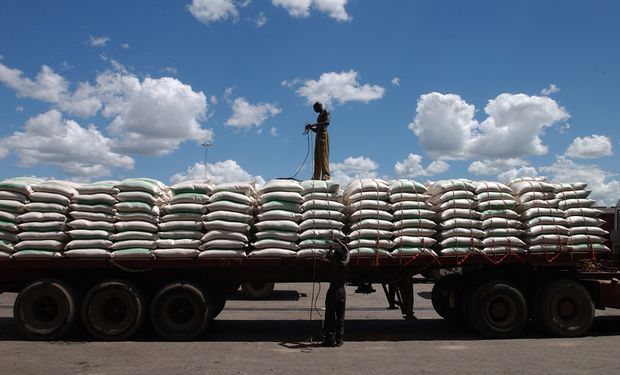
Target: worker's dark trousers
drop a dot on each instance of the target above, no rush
(335, 302)
(321, 156)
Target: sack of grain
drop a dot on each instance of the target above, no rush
(413, 215)
(227, 224)
(542, 220)
(278, 231)
(584, 232)
(457, 216)
(368, 200)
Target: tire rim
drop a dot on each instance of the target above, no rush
(501, 312)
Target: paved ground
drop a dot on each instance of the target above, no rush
(271, 337)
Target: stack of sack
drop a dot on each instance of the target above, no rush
(322, 218)
(42, 225)
(277, 228)
(545, 225)
(180, 227)
(413, 214)
(500, 221)
(370, 218)
(228, 222)
(13, 196)
(137, 217)
(584, 232)
(93, 215)
(461, 226)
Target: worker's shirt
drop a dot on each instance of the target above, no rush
(338, 268)
(322, 117)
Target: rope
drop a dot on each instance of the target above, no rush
(126, 269)
(303, 163)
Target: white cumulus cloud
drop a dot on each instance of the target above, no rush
(77, 151)
(514, 173)
(396, 81)
(261, 20)
(273, 132)
(340, 87)
(3, 151)
(47, 86)
(152, 116)
(447, 129)
(208, 11)
(495, 166)
(98, 41)
(245, 115)
(353, 168)
(589, 147)
(551, 89)
(219, 172)
(412, 167)
(301, 8)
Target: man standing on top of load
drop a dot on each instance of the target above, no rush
(336, 297)
(321, 144)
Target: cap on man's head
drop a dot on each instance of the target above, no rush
(317, 106)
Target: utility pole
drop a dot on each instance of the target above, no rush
(206, 145)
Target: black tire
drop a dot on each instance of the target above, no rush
(445, 299)
(257, 290)
(113, 310)
(563, 308)
(497, 310)
(45, 310)
(219, 301)
(179, 311)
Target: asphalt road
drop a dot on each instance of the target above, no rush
(272, 337)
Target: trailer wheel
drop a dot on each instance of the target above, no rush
(45, 310)
(219, 301)
(113, 310)
(257, 290)
(497, 310)
(444, 298)
(179, 311)
(563, 308)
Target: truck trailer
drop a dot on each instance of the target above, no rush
(497, 294)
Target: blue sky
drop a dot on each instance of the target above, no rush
(417, 89)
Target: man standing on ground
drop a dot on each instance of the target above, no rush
(321, 144)
(336, 297)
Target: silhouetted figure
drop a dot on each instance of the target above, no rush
(336, 297)
(321, 144)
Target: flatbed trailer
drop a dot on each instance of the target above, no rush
(495, 295)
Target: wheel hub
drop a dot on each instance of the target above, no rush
(45, 309)
(501, 312)
(567, 308)
(180, 311)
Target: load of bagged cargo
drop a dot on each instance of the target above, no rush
(369, 216)
(228, 221)
(42, 223)
(137, 217)
(583, 223)
(500, 221)
(92, 221)
(458, 218)
(322, 218)
(545, 225)
(141, 218)
(181, 226)
(14, 196)
(413, 213)
(277, 226)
